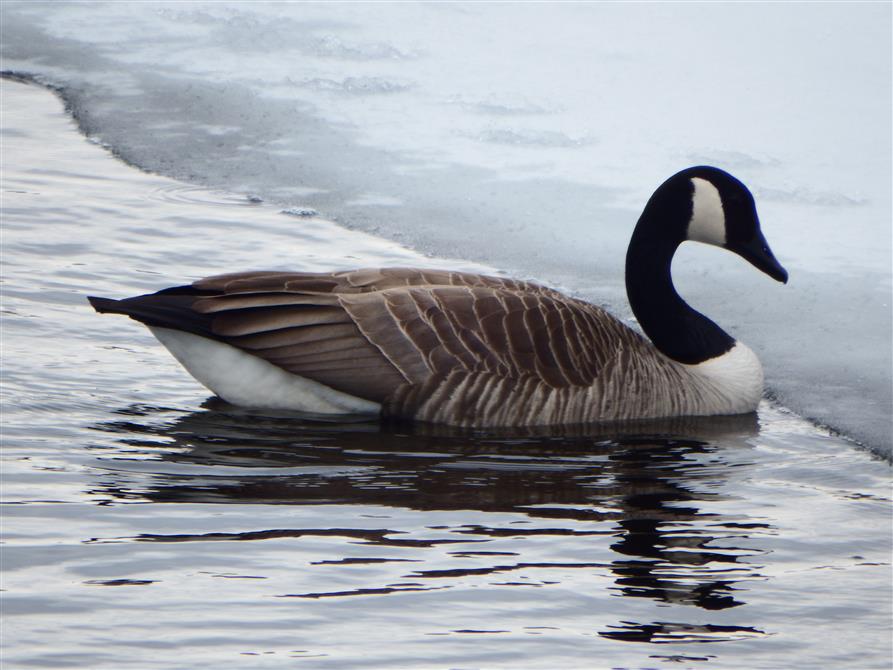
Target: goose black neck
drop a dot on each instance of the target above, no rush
(677, 330)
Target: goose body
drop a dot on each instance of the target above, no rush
(474, 350)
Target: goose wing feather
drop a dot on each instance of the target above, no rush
(369, 332)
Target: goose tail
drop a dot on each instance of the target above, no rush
(166, 310)
(106, 305)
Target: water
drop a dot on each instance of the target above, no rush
(146, 526)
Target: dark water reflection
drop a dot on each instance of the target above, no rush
(641, 488)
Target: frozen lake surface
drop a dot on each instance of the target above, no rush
(148, 527)
(528, 137)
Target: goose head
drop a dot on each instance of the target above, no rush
(720, 210)
(701, 204)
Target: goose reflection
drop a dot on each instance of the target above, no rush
(644, 485)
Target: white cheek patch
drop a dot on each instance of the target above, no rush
(708, 222)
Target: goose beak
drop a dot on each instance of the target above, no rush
(758, 253)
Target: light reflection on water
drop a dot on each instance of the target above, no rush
(147, 527)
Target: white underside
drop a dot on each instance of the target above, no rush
(249, 381)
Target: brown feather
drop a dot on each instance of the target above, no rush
(259, 320)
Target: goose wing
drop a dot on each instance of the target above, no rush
(369, 332)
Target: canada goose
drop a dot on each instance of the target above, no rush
(473, 350)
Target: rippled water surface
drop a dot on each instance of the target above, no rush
(147, 526)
